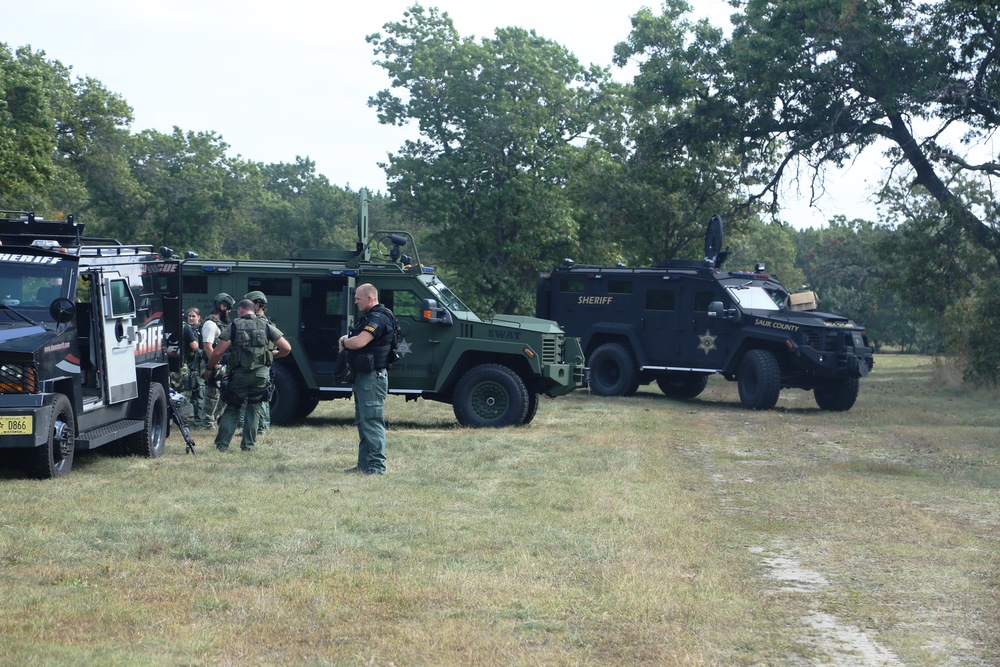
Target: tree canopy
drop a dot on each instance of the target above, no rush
(499, 121)
(818, 82)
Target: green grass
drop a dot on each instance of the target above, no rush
(624, 531)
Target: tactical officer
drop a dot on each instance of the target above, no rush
(369, 343)
(195, 359)
(222, 304)
(250, 358)
(259, 309)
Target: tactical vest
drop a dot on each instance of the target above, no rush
(249, 343)
(379, 348)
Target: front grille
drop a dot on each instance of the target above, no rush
(551, 352)
(824, 341)
(18, 379)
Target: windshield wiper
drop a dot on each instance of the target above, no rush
(24, 317)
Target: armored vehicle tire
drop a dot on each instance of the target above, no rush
(55, 457)
(682, 385)
(839, 395)
(490, 396)
(286, 397)
(150, 441)
(306, 406)
(613, 371)
(533, 400)
(759, 380)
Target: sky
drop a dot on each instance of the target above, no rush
(277, 80)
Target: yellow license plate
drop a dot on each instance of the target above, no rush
(16, 425)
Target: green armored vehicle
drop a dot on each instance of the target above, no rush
(492, 372)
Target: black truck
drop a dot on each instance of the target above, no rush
(681, 321)
(85, 327)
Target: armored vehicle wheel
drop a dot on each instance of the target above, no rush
(55, 457)
(533, 401)
(837, 395)
(613, 371)
(759, 380)
(490, 395)
(286, 397)
(151, 439)
(682, 385)
(306, 406)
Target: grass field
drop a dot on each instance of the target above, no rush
(625, 531)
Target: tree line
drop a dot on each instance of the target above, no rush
(524, 155)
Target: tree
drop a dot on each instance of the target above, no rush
(56, 134)
(500, 123)
(842, 264)
(304, 211)
(818, 82)
(939, 271)
(772, 245)
(188, 194)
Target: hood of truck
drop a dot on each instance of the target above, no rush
(528, 323)
(23, 337)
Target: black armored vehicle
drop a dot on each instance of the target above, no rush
(682, 321)
(85, 327)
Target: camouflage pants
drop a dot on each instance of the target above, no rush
(197, 397)
(213, 407)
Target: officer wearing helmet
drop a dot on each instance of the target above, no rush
(222, 304)
(259, 300)
(250, 341)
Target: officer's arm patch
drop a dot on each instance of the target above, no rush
(370, 329)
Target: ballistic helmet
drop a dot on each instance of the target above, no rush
(223, 298)
(256, 295)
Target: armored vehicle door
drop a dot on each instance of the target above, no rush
(114, 310)
(323, 308)
(420, 342)
(707, 341)
(662, 330)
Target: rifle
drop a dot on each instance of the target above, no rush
(175, 412)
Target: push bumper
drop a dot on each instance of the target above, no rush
(24, 421)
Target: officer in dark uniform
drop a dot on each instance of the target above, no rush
(369, 343)
(247, 340)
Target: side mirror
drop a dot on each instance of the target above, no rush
(62, 310)
(434, 312)
(716, 309)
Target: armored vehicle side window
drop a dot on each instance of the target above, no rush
(704, 297)
(195, 284)
(270, 286)
(122, 303)
(660, 299)
(402, 303)
(574, 285)
(334, 303)
(620, 286)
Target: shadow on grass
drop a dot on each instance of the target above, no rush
(12, 465)
(724, 405)
(391, 424)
